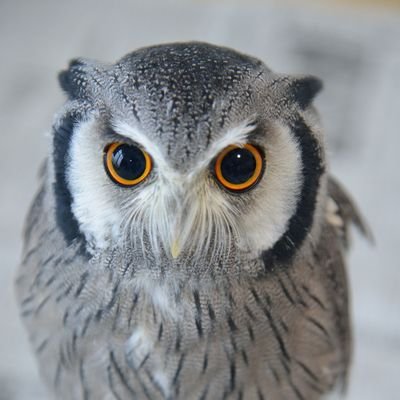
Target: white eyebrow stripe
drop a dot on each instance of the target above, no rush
(235, 136)
(131, 132)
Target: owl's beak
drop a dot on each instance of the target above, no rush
(175, 249)
(181, 222)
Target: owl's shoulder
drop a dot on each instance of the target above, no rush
(37, 208)
(342, 212)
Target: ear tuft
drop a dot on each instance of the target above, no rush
(304, 90)
(73, 80)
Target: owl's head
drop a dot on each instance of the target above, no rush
(186, 152)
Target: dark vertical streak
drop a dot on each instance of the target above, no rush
(293, 286)
(154, 383)
(276, 376)
(65, 293)
(319, 326)
(133, 306)
(295, 389)
(65, 317)
(120, 374)
(198, 316)
(272, 324)
(231, 324)
(73, 342)
(57, 374)
(145, 358)
(251, 333)
(285, 291)
(250, 313)
(49, 281)
(211, 313)
(116, 316)
(260, 395)
(232, 375)
(42, 304)
(86, 325)
(42, 345)
(160, 332)
(111, 383)
(82, 282)
(85, 389)
(203, 396)
(308, 371)
(199, 326)
(27, 300)
(245, 357)
(313, 297)
(205, 362)
(178, 340)
(114, 297)
(178, 369)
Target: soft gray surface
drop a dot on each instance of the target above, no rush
(358, 56)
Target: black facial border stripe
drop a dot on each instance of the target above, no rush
(301, 222)
(62, 138)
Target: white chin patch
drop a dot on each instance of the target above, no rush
(97, 214)
(277, 193)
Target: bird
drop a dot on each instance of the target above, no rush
(187, 240)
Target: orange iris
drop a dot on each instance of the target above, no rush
(126, 164)
(239, 168)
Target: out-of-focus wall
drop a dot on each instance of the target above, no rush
(355, 50)
(363, 3)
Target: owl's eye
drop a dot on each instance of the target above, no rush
(239, 168)
(126, 164)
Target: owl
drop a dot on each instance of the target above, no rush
(187, 240)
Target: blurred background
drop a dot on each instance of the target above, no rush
(354, 46)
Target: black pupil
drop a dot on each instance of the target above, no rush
(238, 166)
(129, 162)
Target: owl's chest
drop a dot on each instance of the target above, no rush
(222, 345)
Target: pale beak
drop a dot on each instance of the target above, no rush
(175, 249)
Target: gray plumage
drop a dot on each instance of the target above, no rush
(178, 288)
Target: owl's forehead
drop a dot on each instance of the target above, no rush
(187, 68)
(186, 96)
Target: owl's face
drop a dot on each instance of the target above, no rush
(187, 152)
